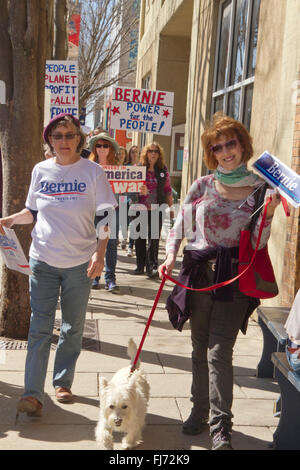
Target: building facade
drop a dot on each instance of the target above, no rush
(242, 57)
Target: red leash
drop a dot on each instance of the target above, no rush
(215, 286)
(148, 322)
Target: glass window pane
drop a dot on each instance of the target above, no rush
(239, 41)
(234, 104)
(248, 106)
(219, 103)
(223, 46)
(253, 38)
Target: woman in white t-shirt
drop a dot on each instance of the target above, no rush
(65, 193)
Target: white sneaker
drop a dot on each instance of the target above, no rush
(130, 252)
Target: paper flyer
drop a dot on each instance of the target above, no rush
(12, 252)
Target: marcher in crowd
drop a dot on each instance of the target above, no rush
(217, 207)
(133, 155)
(156, 191)
(65, 193)
(103, 151)
(122, 156)
(133, 158)
(292, 327)
(122, 159)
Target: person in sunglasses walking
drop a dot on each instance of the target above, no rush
(154, 193)
(104, 152)
(64, 194)
(217, 207)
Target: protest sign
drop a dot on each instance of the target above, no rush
(125, 179)
(279, 176)
(12, 253)
(140, 110)
(61, 78)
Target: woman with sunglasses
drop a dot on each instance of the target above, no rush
(64, 194)
(156, 191)
(217, 207)
(104, 151)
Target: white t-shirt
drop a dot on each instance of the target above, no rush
(292, 325)
(67, 198)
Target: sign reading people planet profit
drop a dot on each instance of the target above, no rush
(141, 110)
(61, 78)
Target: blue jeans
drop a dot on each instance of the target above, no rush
(112, 251)
(294, 361)
(45, 286)
(111, 260)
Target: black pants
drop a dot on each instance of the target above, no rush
(147, 256)
(214, 329)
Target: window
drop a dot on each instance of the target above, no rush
(236, 58)
(177, 149)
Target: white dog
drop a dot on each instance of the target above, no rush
(123, 405)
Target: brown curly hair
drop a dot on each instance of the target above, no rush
(161, 158)
(223, 125)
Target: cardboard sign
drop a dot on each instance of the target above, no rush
(61, 78)
(140, 110)
(125, 179)
(12, 252)
(279, 176)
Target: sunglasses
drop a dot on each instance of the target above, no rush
(229, 145)
(100, 146)
(64, 136)
(153, 151)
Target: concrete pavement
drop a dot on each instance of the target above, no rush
(111, 320)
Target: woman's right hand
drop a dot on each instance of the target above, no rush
(143, 190)
(167, 266)
(7, 222)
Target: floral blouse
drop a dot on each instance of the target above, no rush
(206, 219)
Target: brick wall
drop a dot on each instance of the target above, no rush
(291, 270)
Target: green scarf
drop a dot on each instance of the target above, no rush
(241, 176)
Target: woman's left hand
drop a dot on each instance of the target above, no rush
(95, 266)
(275, 201)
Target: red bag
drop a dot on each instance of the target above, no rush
(258, 279)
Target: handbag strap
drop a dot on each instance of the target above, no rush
(230, 281)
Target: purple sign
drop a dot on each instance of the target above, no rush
(279, 176)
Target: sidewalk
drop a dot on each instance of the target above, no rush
(111, 320)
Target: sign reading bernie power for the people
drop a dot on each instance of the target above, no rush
(139, 110)
(279, 176)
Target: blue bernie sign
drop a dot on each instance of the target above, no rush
(279, 176)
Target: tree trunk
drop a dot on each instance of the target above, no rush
(23, 45)
(61, 34)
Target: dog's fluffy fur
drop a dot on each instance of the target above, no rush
(123, 405)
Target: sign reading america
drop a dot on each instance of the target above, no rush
(125, 179)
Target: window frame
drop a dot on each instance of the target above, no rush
(178, 129)
(244, 82)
